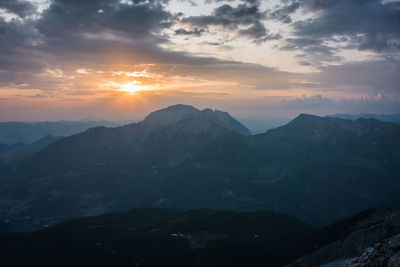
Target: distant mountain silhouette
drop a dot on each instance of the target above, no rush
(260, 124)
(29, 132)
(316, 169)
(15, 152)
(382, 117)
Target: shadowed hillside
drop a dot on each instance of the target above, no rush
(159, 237)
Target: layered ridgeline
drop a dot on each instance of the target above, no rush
(315, 169)
(18, 151)
(28, 132)
(382, 117)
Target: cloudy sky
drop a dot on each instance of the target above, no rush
(70, 59)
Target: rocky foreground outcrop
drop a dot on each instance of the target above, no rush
(370, 238)
(385, 253)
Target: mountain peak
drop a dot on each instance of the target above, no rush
(305, 117)
(231, 123)
(311, 126)
(211, 119)
(308, 119)
(168, 115)
(305, 120)
(194, 118)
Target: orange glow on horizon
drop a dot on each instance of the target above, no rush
(129, 87)
(133, 87)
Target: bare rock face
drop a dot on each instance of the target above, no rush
(385, 253)
(358, 236)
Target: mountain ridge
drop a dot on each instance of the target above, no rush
(197, 162)
(382, 117)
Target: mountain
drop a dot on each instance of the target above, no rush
(260, 124)
(194, 119)
(168, 115)
(15, 152)
(28, 132)
(108, 168)
(160, 237)
(316, 169)
(382, 117)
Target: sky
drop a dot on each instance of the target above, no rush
(121, 59)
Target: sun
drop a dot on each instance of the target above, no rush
(132, 87)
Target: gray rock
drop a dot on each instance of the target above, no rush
(385, 253)
(379, 225)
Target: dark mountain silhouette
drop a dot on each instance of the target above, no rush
(316, 169)
(168, 115)
(159, 237)
(191, 119)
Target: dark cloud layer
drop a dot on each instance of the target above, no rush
(283, 13)
(360, 24)
(71, 34)
(194, 32)
(244, 19)
(378, 22)
(89, 16)
(21, 8)
(107, 35)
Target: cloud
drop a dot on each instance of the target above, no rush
(139, 19)
(305, 102)
(321, 105)
(41, 53)
(314, 52)
(109, 36)
(365, 25)
(72, 34)
(20, 58)
(368, 78)
(76, 29)
(194, 32)
(283, 13)
(245, 20)
(20, 7)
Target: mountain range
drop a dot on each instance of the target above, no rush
(13, 132)
(382, 117)
(316, 169)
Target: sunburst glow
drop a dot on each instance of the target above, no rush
(131, 87)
